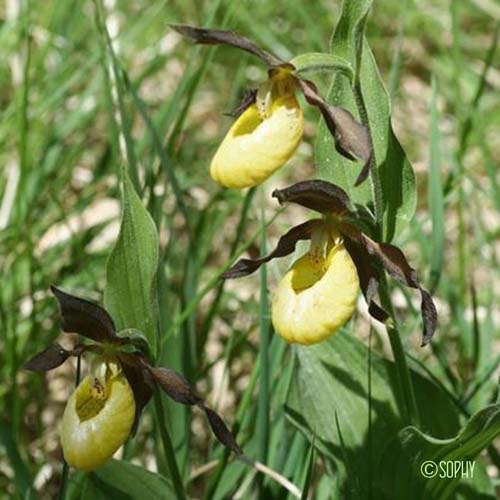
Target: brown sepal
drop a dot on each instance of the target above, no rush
(84, 317)
(178, 388)
(369, 278)
(50, 358)
(175, 386)
(318, 195)
(352, 139)
(395, 263)
(222, 433)
(247, 100)
(215, 37)
(140, 381)
(286, 245)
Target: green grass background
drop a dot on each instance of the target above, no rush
(60, 153)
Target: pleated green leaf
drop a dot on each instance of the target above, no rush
(119, 480)
(394, 170)
(130, 295)
(329, 397)
(318, 62)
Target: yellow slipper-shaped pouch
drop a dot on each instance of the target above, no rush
(256, 146)
(97, 420)
(316, 296)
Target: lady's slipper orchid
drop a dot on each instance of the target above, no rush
(263, 137)
(98, 419)
(105, 408)
(270, 124)
(318, 294)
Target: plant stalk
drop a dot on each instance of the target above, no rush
(168, 448)
(61, 495)
(263, 401)
(409, 407)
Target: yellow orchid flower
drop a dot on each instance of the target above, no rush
(105, 408)
(317, 295)
(270, 124)
(264, 136)
(97, 420)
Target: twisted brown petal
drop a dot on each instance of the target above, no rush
(50, 358)
(178, 388)
(222, 433)
(369, 278)
(247, 100)
(286, 245)
(215, 37)
(352, 139)
(84, 317)
(175, 385)
(140, 381)
(395, 263)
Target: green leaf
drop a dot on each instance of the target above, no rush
(120, 480)
(130, 295)
(313, 62)
(330, 382)
(404, 457)
(394, 170)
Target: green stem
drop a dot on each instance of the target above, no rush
(370, 413)
(263, 402)
(409, 406)
(65, 472)
(168, 448)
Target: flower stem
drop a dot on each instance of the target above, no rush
(409, 407)
(175, 475)
(65, 471)
(263, 403)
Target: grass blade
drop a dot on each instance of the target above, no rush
(435, 195)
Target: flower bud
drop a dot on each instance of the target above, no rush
(261, 140)
(97, 420)
(316, 296)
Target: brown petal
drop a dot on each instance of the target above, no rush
(395, 263)
(84, 317)
(140, 381)
(222, 433)
(175, 385)
(247, 100)
(215, 37)
(285, 246)
(321, 196)
(369, 278)
(178, 388)
(352, 139)
(52, 357)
